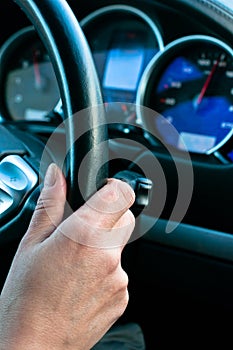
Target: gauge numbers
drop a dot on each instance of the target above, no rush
(191, 86)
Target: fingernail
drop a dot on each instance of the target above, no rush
(51, 176)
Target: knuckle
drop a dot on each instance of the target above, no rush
(122, 303)
(123, 281)
(111, 194)
(44, 202)
(130, 217)
(112, 261)
(120, 190)
(126, 192)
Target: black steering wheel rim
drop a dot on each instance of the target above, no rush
(79, 87)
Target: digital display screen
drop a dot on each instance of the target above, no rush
(195, 142)
(124, 62)
(123, 69)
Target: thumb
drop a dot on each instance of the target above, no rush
(49, 210)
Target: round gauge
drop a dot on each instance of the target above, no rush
(28, 83)
(123, 39)
(190, 86)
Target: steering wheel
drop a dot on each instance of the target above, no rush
(79, 88)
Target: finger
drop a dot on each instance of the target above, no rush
(123, 229)
(108, 204)
(105, 221)
(89, 235)
(50, 206)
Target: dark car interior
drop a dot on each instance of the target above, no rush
(155, 81)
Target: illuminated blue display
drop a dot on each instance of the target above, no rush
(211, 119)
(181, 70)
(123, 68)
(194, 95)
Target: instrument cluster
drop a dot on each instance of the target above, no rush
(187, 84)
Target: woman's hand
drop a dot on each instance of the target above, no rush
(66, 286)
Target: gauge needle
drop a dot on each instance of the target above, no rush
(36, 70)
(207, 82)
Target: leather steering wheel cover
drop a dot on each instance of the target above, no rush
(79, 87)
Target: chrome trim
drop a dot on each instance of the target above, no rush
(140, 97)
(129, 9)
(18, 195)
(20, 163)
(119, 8)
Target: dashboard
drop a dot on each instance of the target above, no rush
(167, 84)
(186, 82)
(121, 49)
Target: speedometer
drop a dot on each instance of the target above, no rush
(190, 85)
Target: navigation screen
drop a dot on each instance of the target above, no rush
(124, 62)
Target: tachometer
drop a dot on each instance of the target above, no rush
(29, 89)
(190, 85)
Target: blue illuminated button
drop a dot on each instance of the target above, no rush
(12, 176)
(6, 201)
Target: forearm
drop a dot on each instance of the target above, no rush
(17, 332)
